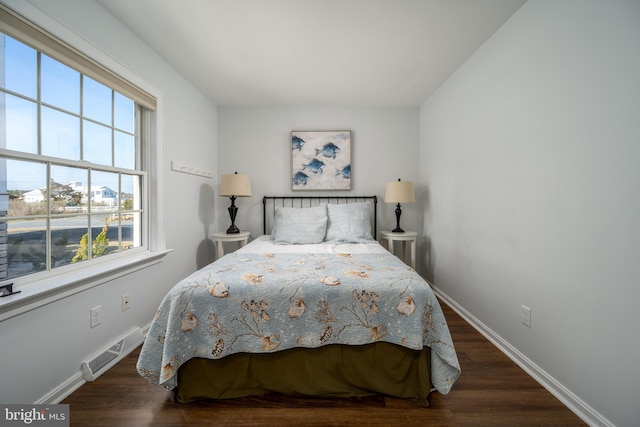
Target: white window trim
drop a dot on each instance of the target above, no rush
(56, 287)
(59, 286)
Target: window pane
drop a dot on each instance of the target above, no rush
(25, 184)
(20, 67)
(124, 150)
(77, 239)
(113, 233)
(60, 134)
(96, 101)
(104, 191)
(26, 249)
(67, 240)
(132, 238)
(130, 192)
(131, 217)
(4, 193)
(69, 189)
(104, 236)
(21, 119)
(124, 113)
(125, 222)
(4, 259)
(59, 85)
(96, 143)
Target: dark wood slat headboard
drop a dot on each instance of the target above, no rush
(309, 201)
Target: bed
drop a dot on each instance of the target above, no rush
(315, 307)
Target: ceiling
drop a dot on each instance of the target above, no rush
(315, 52)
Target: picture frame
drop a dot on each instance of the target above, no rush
(321, 160)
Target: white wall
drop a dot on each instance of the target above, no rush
(43, 348)
(530, 153)
(257, 141)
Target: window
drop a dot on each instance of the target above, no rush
(73, 176)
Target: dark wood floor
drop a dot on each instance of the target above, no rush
(492, 391)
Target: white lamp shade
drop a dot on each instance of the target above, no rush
(235, 184)
(399, 192)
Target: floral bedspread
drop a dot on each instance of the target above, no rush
(275, 301)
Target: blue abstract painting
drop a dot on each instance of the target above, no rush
(321, 160)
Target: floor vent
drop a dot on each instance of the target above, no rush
(101, 362)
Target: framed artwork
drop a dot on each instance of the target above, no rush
(321, 160)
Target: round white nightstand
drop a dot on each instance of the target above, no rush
(404, 237)
(219, 238)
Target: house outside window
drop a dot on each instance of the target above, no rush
(73, 180)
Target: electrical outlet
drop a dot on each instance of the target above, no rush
(525, 316)
(95, 316)
(125, 302)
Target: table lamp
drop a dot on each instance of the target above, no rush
(399, 192)
(232, 186)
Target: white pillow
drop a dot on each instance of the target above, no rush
(349, 223)
(300, 225)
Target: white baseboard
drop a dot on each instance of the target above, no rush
(77, 380)
(65, 389)
(566, 396)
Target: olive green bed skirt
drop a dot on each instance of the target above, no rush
(332, 370)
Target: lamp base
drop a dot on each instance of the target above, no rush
(233, 210)
(398, 213)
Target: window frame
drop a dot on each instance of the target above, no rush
(54, 284)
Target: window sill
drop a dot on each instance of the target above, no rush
(61, 286)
